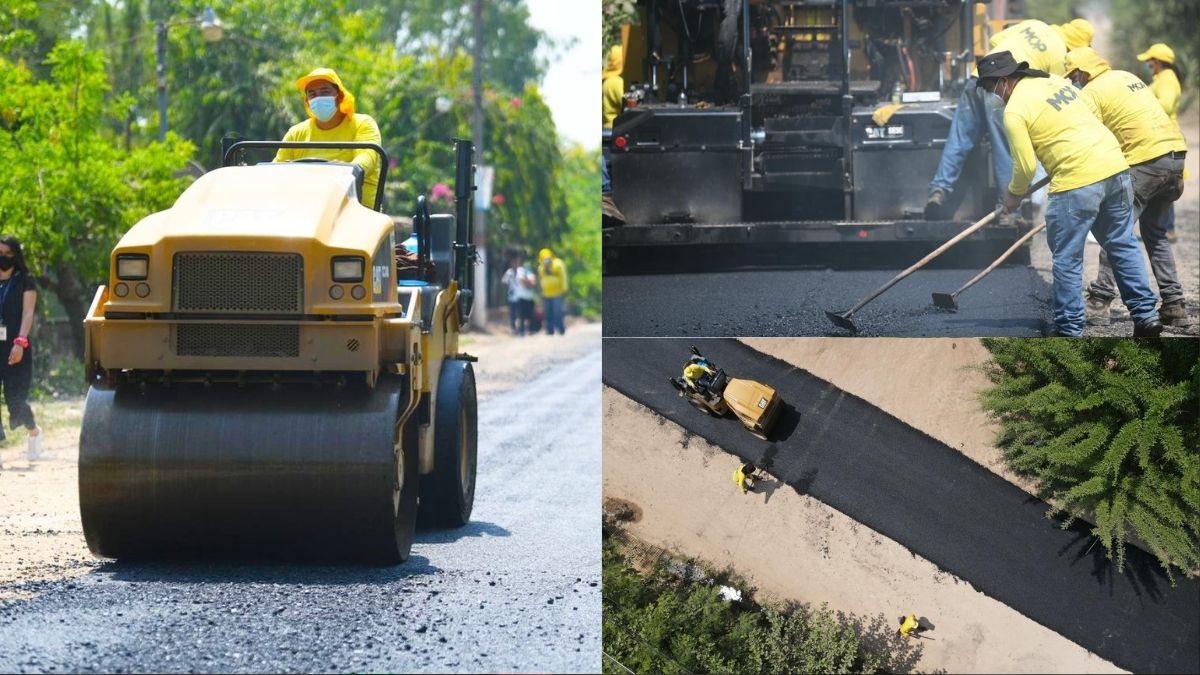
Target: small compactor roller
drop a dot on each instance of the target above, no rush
(263, 384)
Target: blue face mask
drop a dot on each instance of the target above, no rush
(323, 107)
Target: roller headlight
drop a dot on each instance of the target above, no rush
(133, 267)
(348, 269)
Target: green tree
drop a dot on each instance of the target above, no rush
(1109, 429)
(71, 190)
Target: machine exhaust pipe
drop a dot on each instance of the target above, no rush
(464, 244)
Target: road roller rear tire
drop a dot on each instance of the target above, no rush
(448, 494)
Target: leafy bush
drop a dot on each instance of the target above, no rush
(660, 622)
(1109, 428)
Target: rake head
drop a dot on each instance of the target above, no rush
(842, 321)
(945, 301)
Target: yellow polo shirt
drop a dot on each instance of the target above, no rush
(1166, 89)
(1129, 110)
(1048, 120)
(613, 90)
(357, 127)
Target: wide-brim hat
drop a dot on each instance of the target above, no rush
(1002, 64)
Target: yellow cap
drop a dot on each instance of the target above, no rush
(1087, 60)
(1160, 52)
(1076, 33)
(545, 253)
(616, 63)
(328, 75)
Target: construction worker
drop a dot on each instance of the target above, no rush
(1048, 120)
(695, 374)
(1154, 149)
(1167, 87)
(744, 478)
(1044, 47)
(612, 88)
(331, 117)
(909, 626)
(552, 273)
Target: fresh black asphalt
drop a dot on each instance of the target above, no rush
(942, 506)
(1012, 301)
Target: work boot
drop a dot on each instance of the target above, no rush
(933, 207)
(611, 216)
(1175, 314)
(1151, 328)
(1097, 311)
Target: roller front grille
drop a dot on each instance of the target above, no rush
(239, 283)
(237, 340)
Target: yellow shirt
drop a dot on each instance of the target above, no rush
(694, 371)
(739, 479)
(358, 128)
(1166, 89)
(1130, 111)
(614, 92)
(1034, 42)
(554, 278)
(1048, 120)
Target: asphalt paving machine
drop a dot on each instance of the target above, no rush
(756, 405)
(755, 130)
(264, 381)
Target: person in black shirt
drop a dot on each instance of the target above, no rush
(18, 297)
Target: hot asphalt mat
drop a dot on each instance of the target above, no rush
(933, 500)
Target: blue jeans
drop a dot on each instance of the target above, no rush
(972, 119)
(554, 314)
(1106, 209)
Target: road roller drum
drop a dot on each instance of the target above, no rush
(214, 472)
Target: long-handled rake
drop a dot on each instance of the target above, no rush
(947, 300)
(843, 319)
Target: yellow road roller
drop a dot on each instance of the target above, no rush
(263, 383)
(756, 405)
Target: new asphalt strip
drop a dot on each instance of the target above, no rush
(928, 497)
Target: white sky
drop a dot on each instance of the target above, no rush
(572, 84)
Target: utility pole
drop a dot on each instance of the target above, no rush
(160, 30)
(479, 316)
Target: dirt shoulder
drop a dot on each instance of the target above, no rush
(793, 547)
(41, 538)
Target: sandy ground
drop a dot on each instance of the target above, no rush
(1186, 247)
(790, 546)
(40, 533)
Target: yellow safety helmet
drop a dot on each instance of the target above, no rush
(1087, 60)
(346, 106)
(1076, 33)
(1158, 51)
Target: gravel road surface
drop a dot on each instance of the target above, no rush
(930, 498)
(516, 590)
